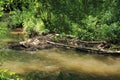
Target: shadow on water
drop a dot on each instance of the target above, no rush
(58, 64)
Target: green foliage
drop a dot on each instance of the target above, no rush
(1, 8)
(3, 30)
(113, 33)
(6, 75)
(86, 19)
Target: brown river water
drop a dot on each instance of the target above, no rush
(65, 64)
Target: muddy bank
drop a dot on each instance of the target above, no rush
(48, 41)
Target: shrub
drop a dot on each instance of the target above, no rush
(113, 33)
(6, 75)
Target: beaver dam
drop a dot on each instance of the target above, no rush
(59, 64)
(47, 41)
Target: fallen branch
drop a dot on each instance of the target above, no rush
(89, 50)
(91, 42)
(60, 44)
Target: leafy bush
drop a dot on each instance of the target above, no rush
(6, 75)
(113, 33)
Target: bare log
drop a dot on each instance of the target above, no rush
(88, 50)
(92, 42)
(60, 44)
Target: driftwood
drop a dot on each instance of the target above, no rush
(91, 42)
(88, 50)
(60, 45)
(45, 42)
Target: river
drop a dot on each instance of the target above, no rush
(59, 64)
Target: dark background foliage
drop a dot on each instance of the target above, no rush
(86, 19)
